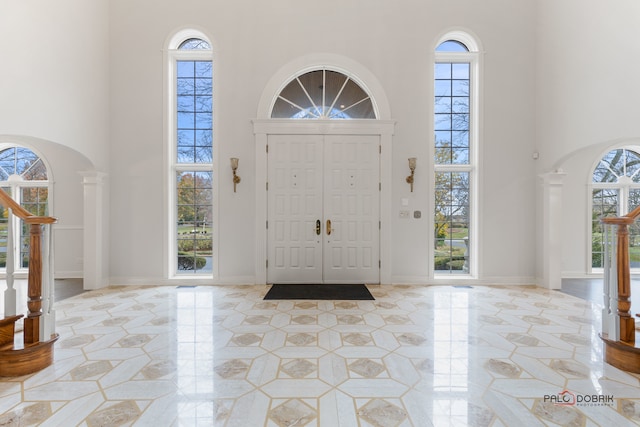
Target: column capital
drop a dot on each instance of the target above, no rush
(555, 177)
(93, 177)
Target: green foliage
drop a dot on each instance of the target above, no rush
(596, 251)
(194, 197)
(187, 261)
(448, 263)
(448, 258)
(204, 244)
(441, 226)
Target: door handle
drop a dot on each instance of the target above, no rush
(328, 227)
(318, 225)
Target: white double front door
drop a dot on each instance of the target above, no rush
(323, 209)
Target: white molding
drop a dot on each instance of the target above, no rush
(263, 126)
(178, 36)
(395, 280)
(463, 35)
(476, 138)
(580, 275)
(464, 280)
(68, 274)
(329, 61)
(323, 127)
(186, 281)
(170, 58)
(59, 227)
(382, 128)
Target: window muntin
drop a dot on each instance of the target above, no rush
(452, 112)
(454, 158)
(23, 175)
(452, 46)
(194, 44)
(22, 162)
(615, 192)
(452, 222)
(194, 107)
(195, 196)
(618, 165)
(192, 164)
(323, 94)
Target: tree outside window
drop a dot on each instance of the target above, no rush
(615, 191)
(192, 192)
(453, 160)
(23, 175)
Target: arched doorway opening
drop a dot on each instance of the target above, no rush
(323, 158)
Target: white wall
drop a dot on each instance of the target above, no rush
(253, 40)
(559, 79)
(53, 79)
(587, 100)
(54, 100)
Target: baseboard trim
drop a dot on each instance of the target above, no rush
(485, 281)
(251, 280)
(158, 281)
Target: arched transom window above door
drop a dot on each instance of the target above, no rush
(323, 94)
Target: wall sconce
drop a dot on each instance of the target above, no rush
(234, 167)
(412, 166)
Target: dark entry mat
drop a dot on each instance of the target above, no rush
(319, 292)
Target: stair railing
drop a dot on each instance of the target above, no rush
(10, 296)
(610, 320)
(39, 325)
(619, 326)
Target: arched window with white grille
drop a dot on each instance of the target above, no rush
(24, 176)
(323, 94)
(455, 158)
(615, 191)
(190, 136)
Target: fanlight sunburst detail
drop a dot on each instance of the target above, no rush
(323, 94)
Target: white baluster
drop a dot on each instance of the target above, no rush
(606, 277)
(10, 295)
(47, 319)
(614, 323)
(610, 320)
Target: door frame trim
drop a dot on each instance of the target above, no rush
(262, 128)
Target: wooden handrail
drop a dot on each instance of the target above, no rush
(7, 202)
(34, 279)
(634, 213)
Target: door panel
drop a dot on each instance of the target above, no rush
(333, 179)
(352, 205)
(295, 204)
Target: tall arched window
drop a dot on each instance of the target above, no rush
(455, 155)
(323, 94)
(615, 191)
(190, 104)
(23, 175)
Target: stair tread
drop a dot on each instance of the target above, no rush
(10, 320)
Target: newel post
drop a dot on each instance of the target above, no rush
(627, 322)
(34, 286)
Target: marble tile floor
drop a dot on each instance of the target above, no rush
(416, 356)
